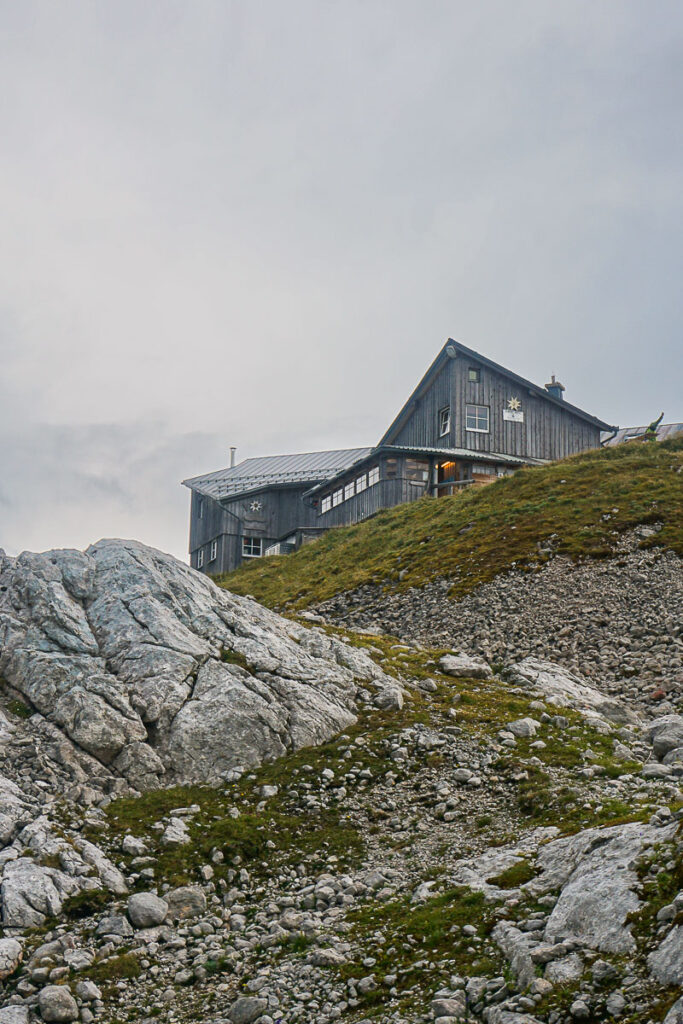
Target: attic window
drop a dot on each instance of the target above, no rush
(474, 374)
(444, 421)
(477, 418)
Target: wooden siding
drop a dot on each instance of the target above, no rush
(548, 430)
(384, 494)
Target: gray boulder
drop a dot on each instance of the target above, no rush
(185, 902)
(666, 735)
(247, 1009)
(11, 952)
(675, 1014)
(563, 688)
(57, 1005)
(465, 666)
(159, 674)
(666, 962)
(13, 1014)
(146, 910)
(29, 893)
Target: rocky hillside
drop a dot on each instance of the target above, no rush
(212, 813)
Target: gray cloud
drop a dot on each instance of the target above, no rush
(255, 224)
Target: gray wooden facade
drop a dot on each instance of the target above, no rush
(467, 422)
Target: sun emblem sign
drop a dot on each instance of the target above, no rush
(255, 506)
(514, 403)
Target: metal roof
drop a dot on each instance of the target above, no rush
(460, 453)
(665, 431)
(275, 470)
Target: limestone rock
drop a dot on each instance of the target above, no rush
(11, 952)
(666, 735)
(465, 666)
(30, 893)
(675, 1014)
(666, 962)
(247, 1009)
(149, 667)
(146, 910)
(185, 902)
(563, 688)
(57, 1004)
(13, 1014)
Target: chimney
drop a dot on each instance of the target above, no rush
(233, 450)
(554, 388)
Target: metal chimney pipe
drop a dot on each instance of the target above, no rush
(232, 456)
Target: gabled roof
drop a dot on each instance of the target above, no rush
(665, 432)
(275, 471)
(469, 353)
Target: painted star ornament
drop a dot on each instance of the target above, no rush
(255, 506)
(514, 404)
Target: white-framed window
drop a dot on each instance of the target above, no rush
(326, 503)
(361, 483)
(337, 497)
(473, 374)
(477, 418)
(373, 476)
(444, 421)
(200, 508)
(213, 551)
(200, 558)
(349, 491)
(252, 547)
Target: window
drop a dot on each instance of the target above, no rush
(326, 503)
(214, 551)
(477, 418)
(391, 467)
(417, 471)
(200, 558)
(444, 421)
(251, 547)
(349, 491)
(200, 508)
(361, 483)
(373, 476)
(474, 375)
(337, 498)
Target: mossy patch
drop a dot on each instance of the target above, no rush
(514, 876)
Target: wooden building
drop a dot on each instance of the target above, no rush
(467, 422)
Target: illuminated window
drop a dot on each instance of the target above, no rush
(373, 476)
(444, 421)
(477, 418)
(251, 547)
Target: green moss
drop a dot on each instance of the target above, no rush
(86, 904)
(235, 658)
(116, 968)
(514, 876)
(19, 709)
(475, 535)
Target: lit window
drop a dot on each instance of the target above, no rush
(417, 470)
(337, 498)
(326, 504)
(477, 418)
(361, 483)
(200, 508)
(373, 476)
(200, 558)
(349, 491)
(214, 551)
(444, 421)
(474, 375)
(251, 547)
(391, 468)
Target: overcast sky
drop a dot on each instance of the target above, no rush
(256, 223)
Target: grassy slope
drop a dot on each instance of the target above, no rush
(473, 536)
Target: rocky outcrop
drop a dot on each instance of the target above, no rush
(150, 669)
